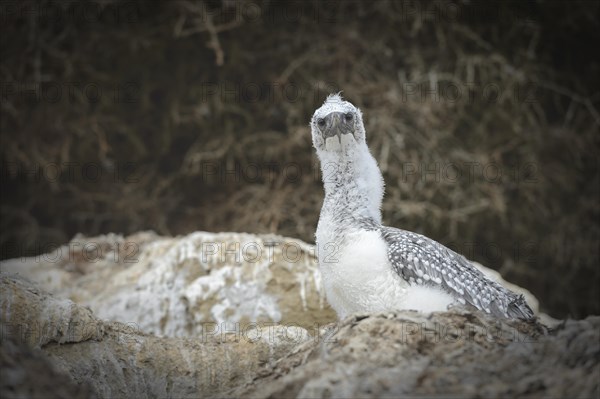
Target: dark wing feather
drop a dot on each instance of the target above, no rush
(421, 260)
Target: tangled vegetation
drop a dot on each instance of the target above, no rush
(187, 115)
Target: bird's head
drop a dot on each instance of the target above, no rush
(337, 126)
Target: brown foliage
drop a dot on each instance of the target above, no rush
(182, 116)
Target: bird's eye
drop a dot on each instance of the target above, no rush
(321, 122)
(348, 117)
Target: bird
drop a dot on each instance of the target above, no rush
(369, 267)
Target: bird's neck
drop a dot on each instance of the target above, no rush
(353, 186)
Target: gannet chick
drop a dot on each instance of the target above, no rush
(368, 267)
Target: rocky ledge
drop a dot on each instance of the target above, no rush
(241, 315)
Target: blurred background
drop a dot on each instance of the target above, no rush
(178, 116)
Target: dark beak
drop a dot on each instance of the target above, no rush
(335, 124)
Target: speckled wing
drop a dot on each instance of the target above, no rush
(421, 260)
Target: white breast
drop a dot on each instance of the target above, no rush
(358, 277)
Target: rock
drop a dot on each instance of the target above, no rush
(447, 354)
(241, 315)
(35, 318)
(171, 286)
(117, 360)
(128, 363)
(28, 373)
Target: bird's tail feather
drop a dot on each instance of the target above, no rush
(519, 308)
